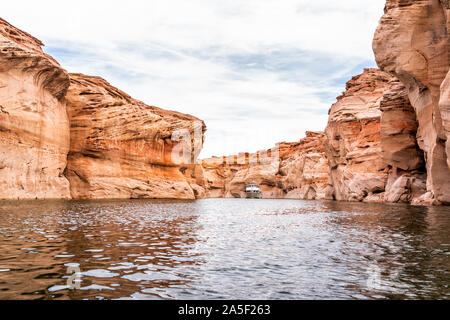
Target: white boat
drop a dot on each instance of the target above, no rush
(253, 191)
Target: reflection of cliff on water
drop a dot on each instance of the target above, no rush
(121, 247)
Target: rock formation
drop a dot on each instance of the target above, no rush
(122, 148)
(81, 138)
(369, 153)
(371, 145)
(353, 145)
(34, 128)
(399, 130)
(400, 151)
(304, 168)
(75, 136)
(291, 170)
(412, 43)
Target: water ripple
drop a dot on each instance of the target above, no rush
(223, 249)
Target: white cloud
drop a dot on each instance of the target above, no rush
(271, 67)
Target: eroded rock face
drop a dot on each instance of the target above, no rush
(119, 147)
(34, 128)
(122, 148)
(304, 169)
(353, 145)
(79, 137)
(400, 151)
(412, 43)
(399, 129)
(296, 170)
(371, 146)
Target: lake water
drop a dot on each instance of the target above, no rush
(223, 249)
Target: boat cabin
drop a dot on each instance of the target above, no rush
(253, 191)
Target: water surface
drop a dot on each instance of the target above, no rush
(223, 249)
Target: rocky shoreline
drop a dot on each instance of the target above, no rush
(72, 136)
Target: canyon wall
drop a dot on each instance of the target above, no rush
(34, 127)
(388, 136)
(412, 43)
(368, 152)
(371, 145)
(78, 137)
(122, 148)
(353, 145)
(387, 140)
(297, 170)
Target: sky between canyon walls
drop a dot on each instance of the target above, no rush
(258, 72)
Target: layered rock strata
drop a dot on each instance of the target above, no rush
(371, 145)
(34, 127)
(291, 170)
(353, 146)
(75, 136)
(78, 137)
(122, 148)
(369, 152)
(412, 43)
(399, 147)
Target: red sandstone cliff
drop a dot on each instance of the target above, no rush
(371, 145)
(412, 43)
(81, 138)
(122, 148)
(297, 170)
(388, 136)
(34, 128)
(368, 153)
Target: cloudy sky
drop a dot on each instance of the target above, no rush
(257, 71)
